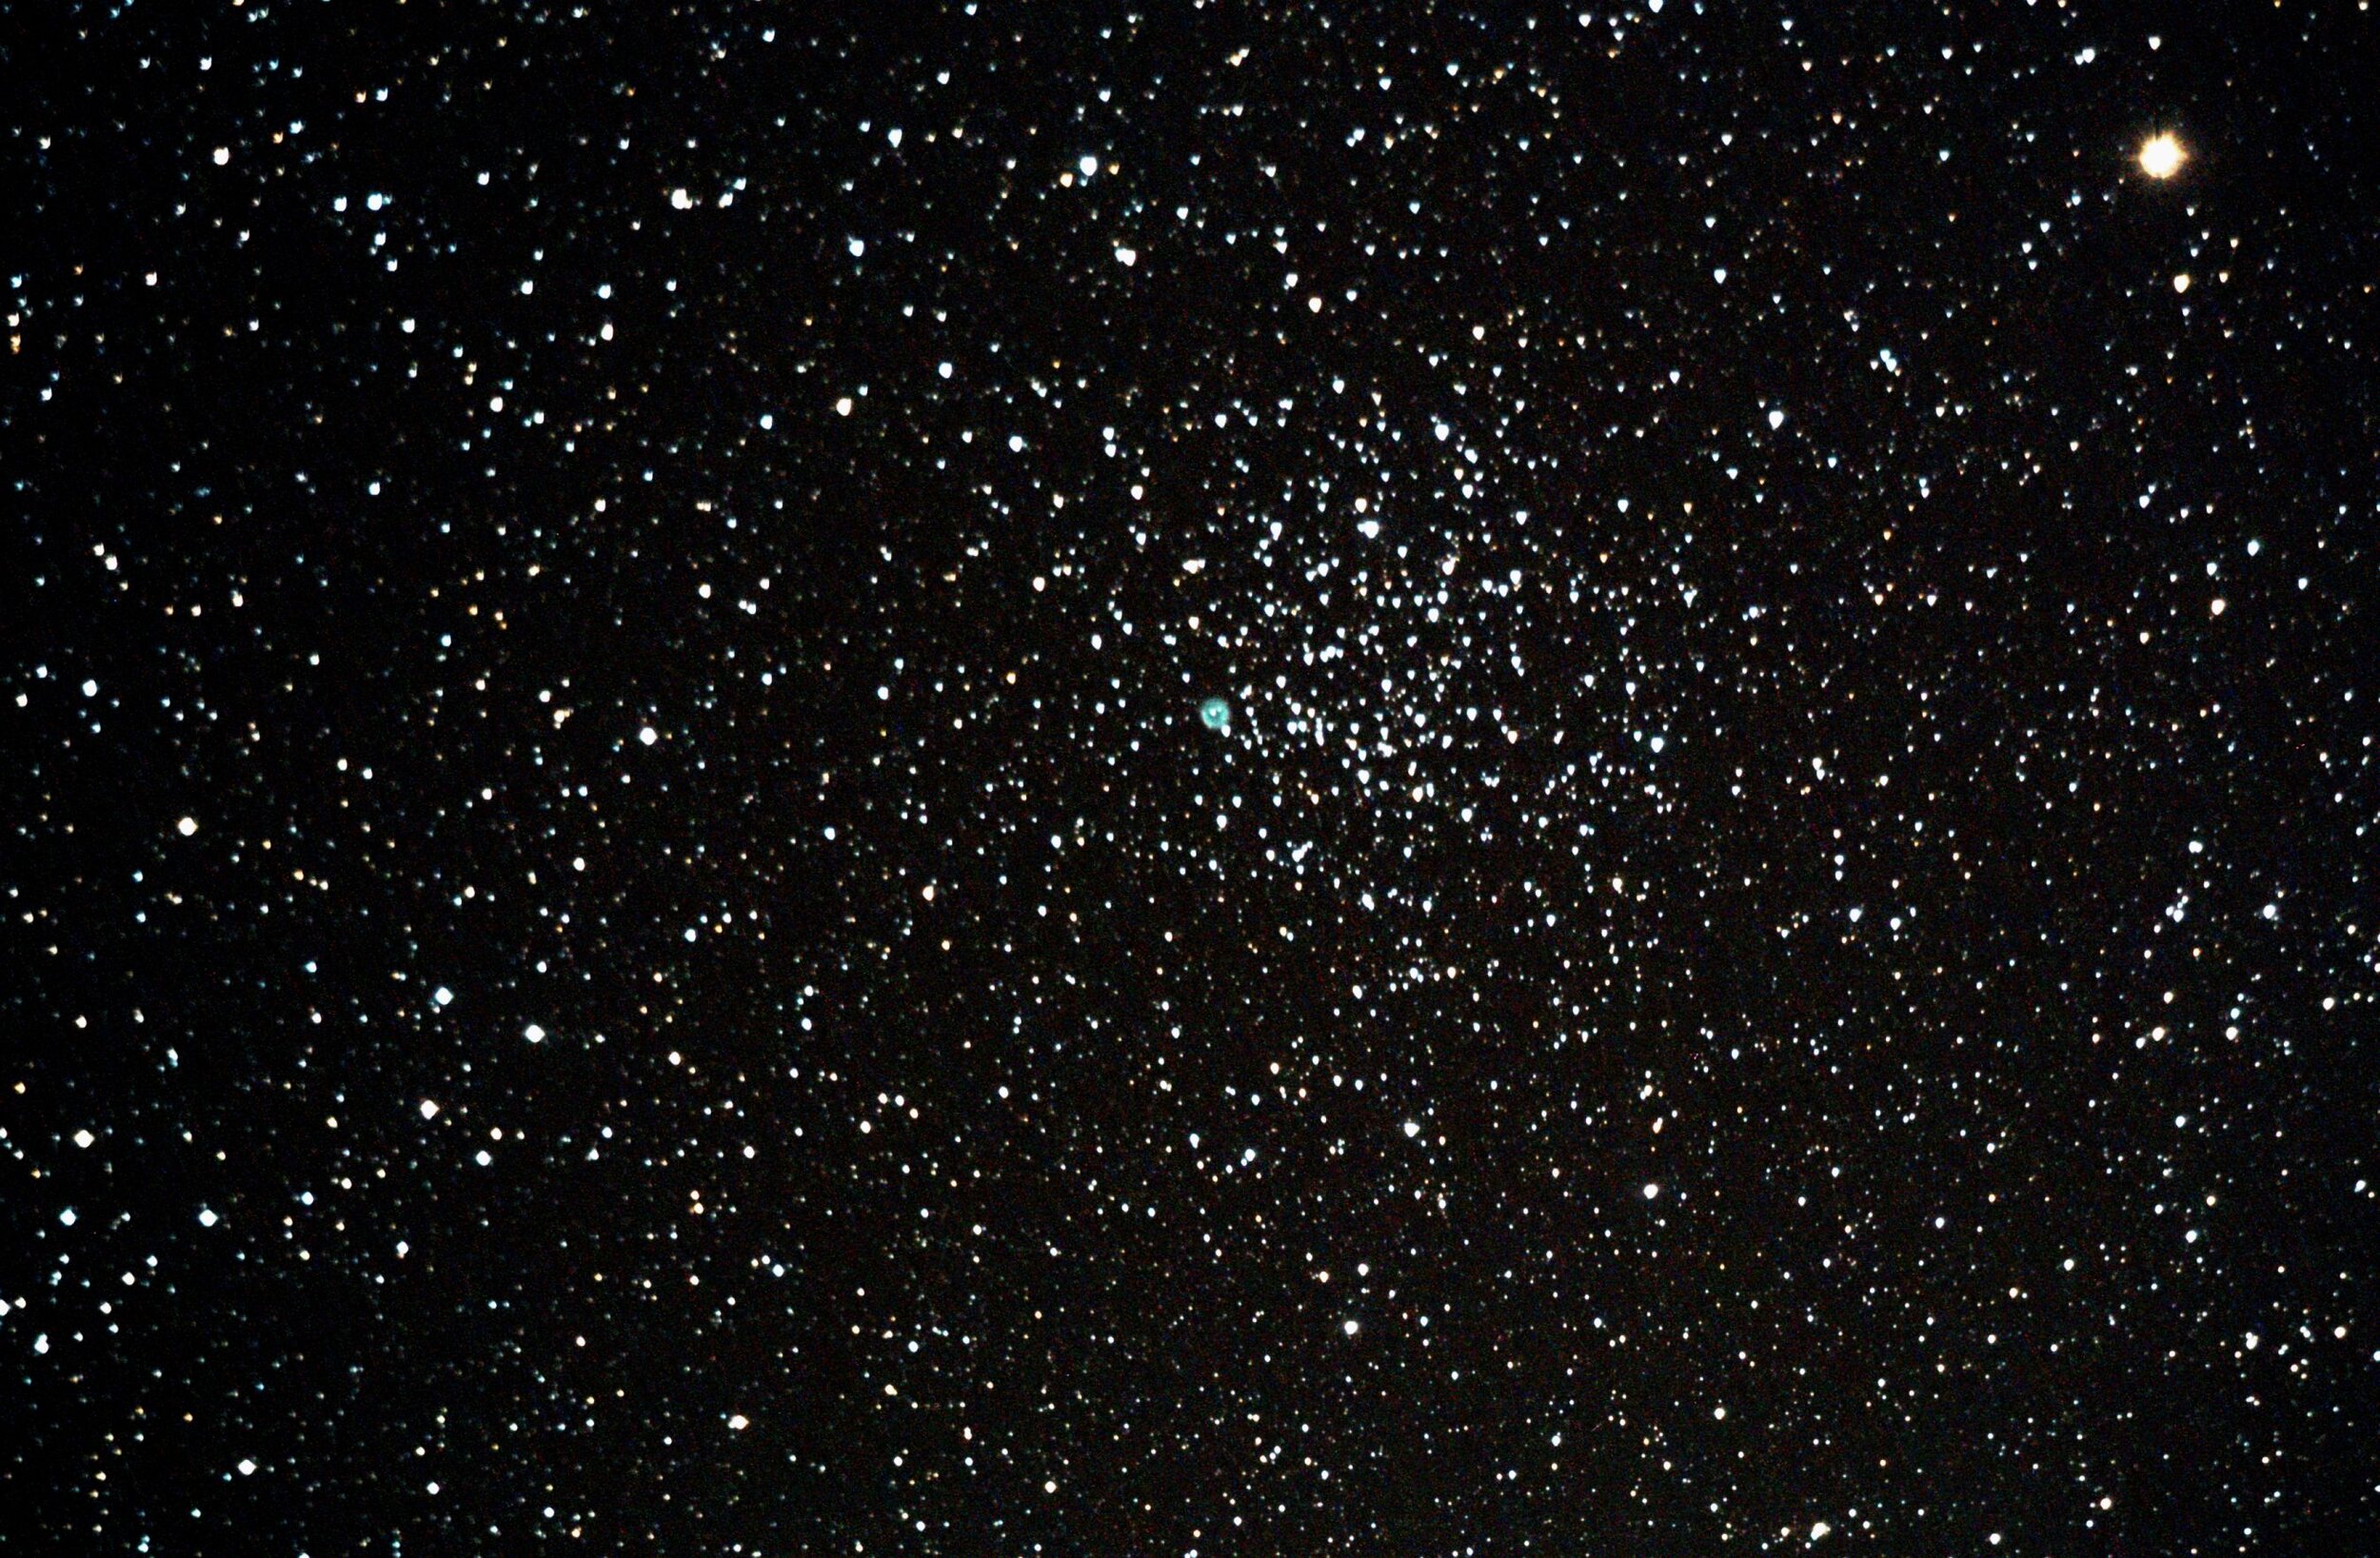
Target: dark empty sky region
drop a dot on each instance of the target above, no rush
(1201, 779)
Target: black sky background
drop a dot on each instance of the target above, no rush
(1778, 750)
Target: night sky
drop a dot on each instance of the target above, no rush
(1215, 779)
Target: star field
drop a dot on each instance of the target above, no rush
(1194, 781)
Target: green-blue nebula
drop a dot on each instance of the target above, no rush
(1215, 713)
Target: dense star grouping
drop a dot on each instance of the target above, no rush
(1193, 781)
